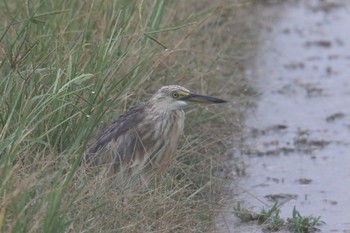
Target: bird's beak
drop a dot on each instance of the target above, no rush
(202, 99)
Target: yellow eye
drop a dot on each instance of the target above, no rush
(175, 94)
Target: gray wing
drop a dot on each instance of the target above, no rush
(118, 128)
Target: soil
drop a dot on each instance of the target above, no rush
(297, 148)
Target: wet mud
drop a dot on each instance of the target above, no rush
(297, 146)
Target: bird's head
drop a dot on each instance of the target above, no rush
(175, 97)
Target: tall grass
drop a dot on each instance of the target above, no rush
(67, 68)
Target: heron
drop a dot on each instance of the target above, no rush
(146, 136)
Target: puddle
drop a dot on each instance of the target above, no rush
(298, 145)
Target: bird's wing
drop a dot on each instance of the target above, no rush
(128, 121)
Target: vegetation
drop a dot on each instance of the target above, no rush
(70, 67)
(271, 220)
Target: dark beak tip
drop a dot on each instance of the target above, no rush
(218, 101)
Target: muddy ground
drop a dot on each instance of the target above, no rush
(297, 146)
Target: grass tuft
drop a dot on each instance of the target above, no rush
(300, 224)
(271, 220)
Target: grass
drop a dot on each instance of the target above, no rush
(70, 67)
(271, 220)
(268, 217)
(300, 224)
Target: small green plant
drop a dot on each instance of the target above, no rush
(271, 220)
(301, 224)
(269, 217)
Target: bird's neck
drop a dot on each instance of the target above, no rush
(163, 111)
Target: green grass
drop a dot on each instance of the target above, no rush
(300, 224)
(271, 220)
(70, 67)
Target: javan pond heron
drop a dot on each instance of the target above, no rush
(146, 136)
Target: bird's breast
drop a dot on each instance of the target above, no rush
(169, 130)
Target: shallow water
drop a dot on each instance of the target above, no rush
(298, 145)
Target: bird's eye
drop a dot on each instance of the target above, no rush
(175, 95)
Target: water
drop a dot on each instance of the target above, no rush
(298, 145)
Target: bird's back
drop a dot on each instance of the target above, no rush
(138, 139)
(101, 150)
